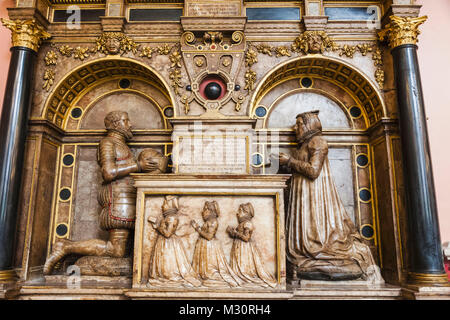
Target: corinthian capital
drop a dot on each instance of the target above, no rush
(27, 33)
(402, 30)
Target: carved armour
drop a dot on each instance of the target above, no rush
(117, 194)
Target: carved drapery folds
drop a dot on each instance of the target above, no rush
(28, 33)
(402, 30)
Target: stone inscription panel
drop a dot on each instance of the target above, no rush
(213, 8)
(213, 154)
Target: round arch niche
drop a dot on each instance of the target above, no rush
(283, 112)
(137, 88)
(333, 78)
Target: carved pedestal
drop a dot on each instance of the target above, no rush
(263, 192)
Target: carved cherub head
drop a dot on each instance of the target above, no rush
(115, 43)
(307, 125)
(313, 42)
(119, 121)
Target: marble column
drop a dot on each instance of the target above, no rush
(26, 37)
(425, 258)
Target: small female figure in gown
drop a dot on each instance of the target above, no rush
(209, 260)
(169, 265)
(322, 241)
(246, 259)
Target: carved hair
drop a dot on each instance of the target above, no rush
(248, 208)
(213, 207)
(113, 117)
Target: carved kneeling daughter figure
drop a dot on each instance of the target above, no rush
(246, 260)
(169, 265)
(209, 260)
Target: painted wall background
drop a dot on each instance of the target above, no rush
(434, 58)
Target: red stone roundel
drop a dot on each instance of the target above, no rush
(212, 87)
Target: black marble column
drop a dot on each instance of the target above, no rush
(13, 130)
(424, 243)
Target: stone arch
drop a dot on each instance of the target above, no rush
(332, 70)
(92, 74)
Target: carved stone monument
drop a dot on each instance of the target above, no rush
(117, 198)
(322, 241)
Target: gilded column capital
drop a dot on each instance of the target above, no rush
(402, 30)
(26, 33)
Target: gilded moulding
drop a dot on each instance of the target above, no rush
(311, 42)
(26, 33)
(114, 43)
(402, 30)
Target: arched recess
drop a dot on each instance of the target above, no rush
(77, 105)
(85, 78)
(325, 69)
(345, 89)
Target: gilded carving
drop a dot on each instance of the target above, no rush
(282, 51)
(51, 58)
(115, 43)
(146, 52)
(199, 62)
(26, 33)
(245, 258)
(164, 49)
(117, 197)
(250, 79)
(226, 62)
(347, 50)
(66, 51)
(265, 49)
(313, 252)
(313, 42)
(81, 53)
(175, 80)
(212, 38)
(175, 58)
(251, 57)
(402, 30)
(49, 77)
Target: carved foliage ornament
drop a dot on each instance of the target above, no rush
(402, 30)
(27, 33)
(311, 42)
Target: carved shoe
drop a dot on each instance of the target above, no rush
(57, 254)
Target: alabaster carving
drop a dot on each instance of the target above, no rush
(322, 241)
(209, 260)
(169, 264)
(117, 195)
(245, 258)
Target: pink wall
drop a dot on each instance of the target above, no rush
(434, 60)
(434, 57)
(5, 45)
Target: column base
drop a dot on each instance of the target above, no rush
(428, 279)
(8, 284)
(7, 276)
